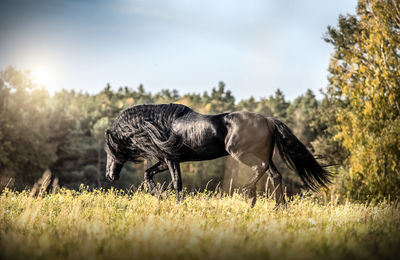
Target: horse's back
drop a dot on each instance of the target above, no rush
(211, 136)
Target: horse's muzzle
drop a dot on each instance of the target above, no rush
(112, 178)
(108, 178)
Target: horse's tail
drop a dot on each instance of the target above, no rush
(296, 156)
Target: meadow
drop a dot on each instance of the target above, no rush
(134, 225)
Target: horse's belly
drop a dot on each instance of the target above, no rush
(203, 156)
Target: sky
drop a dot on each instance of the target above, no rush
(254, 46)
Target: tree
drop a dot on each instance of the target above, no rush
(221, 99)
(330, 150)
(249, 104)
(98, 130)
(301, 114)
(27, 146)
(364, 83)
(278, 105)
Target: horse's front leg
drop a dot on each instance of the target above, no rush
(150, 172)
(175, 170)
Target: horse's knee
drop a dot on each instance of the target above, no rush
(147, 176)
(149, 173)
(260, 168)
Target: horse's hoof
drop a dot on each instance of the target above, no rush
(252, 201)
(180, 197)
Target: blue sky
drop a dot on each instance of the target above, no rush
(253, 46)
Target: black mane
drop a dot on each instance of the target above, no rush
(144, 132)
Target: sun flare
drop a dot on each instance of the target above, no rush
(42, 75)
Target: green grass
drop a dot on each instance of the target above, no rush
(98, 225)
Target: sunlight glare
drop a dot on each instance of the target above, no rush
(42, 75)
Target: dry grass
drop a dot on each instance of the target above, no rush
(98, 225)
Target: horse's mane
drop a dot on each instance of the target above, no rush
(144, 131)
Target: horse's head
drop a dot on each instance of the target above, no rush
(115, 158)
(113, 168)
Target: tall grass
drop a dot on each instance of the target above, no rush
(98, 225)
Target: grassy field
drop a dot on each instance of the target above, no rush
(98, 225)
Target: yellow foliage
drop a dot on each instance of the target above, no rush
(130, 101)
(365, 75)
(208, 107)
(120, 104)
(183, 101)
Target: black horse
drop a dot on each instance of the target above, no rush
(173, 133)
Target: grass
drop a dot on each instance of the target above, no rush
(102, 225)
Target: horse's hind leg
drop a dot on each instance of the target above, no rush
(260, 168)
(276, 181)
(249, 140)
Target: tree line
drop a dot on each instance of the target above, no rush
(354, 129)
(64, 132)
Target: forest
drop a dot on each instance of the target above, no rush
(353, 130)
